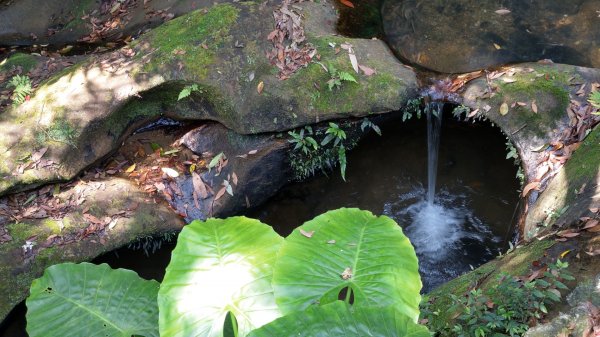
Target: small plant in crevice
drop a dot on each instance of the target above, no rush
(22, 91)
(321, 149)
(151, 244)
(460, 110)
(337, 77)
(413, 107)
(187, 91)
(512, 153)
(507, 308)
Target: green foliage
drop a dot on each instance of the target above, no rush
(366, 123)
(337, 77)
(505, 309)
(219, 283)
(460, 110)
(413, 107)
(322, 148)
(303, 143)
(187, 91)
(91, 300)
(150, 244)
(339, 319)
(219, 266)
(23, 88)
(352, 250)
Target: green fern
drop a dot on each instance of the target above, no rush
(594, 99)
(187, 91)
(344, 76)
(23, 89)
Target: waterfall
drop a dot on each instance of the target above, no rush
(434, 122)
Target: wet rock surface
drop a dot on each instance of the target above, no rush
(465, 35)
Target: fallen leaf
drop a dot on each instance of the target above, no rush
(130, 169)
(567, 234)
(220, 193)
(581, 189)
(563, 254)
(234, 178)
(502, 11)
(534, 107)
(307, 234)
(170, 172)
(353, 59)
(37, 155)
(497, 46)
(347, 3)
(331, 242)
(532, 185)
(473, 113)
(260, 87)
(366, 70)
(252, 151)
(199, 186)
(591, 224)
(503, 109)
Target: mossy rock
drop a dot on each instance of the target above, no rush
(550, 87)
(25, 61)
(18, 269)
(521, 262)
(95, 103)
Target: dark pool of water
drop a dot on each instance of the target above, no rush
(476, 194)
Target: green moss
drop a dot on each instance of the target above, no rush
(21, 231)
(192, 39)
(25, 61)
(349, 96)
(584, 165)
(550, 90)
(82, 8)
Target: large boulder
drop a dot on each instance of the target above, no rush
(464, 35)
(60, 22)
(74, 222)
(83, 112)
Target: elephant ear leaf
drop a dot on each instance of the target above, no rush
(92, 300)
(219, 267)
(348, 251)
(339, 319)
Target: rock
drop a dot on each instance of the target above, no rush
(572, 194)
(580, 320)
(60, 22)
(89, 107)
(81, 234)
(522, 261)
(257, 167)
(465, 35)
(553, 88)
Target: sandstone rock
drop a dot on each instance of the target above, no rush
(464, 35)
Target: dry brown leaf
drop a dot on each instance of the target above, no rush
(532, 185)
(252, 151)
(37, 155)
(567, 234)
(353, 59)
(347, 3)
(220, 193)
(591, 224)
(366, 70)
(260, 87)
(170, 172)
(234, 178)
(199, 186)
(534, 107)
(503, 109)
(502, 11)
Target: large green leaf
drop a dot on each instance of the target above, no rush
(339, 319)
(91, 300)
(219, 266)
(348, 248)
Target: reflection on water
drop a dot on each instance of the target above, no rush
(467, 225)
